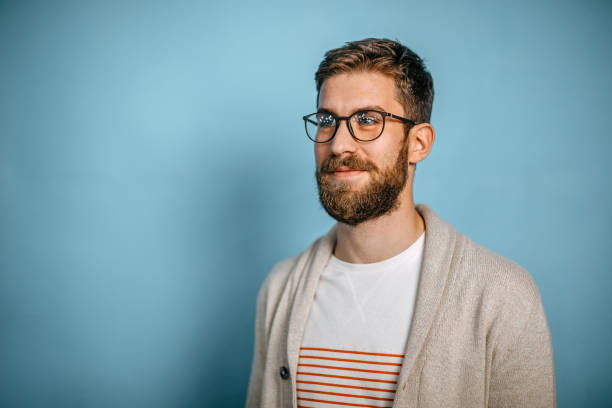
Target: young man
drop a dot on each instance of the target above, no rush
(392, 307)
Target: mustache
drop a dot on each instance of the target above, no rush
(332, 163)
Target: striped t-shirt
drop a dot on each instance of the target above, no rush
(357, 330)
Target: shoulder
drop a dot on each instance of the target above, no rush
(286, 274)
(473, 267)
(494, 270)
(278, 277)
(497, 293)
(502, 289)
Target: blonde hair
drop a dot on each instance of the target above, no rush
(414, 83)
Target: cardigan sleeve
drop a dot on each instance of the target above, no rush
(268, 300)
(257, 367)
(522, 374)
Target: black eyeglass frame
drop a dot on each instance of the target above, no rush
(348, 123)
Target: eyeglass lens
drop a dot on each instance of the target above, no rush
(364, 125)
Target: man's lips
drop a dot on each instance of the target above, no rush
(345, 172)
(342, 169)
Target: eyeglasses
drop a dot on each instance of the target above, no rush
(363, 125)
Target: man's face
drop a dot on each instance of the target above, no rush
(359, 181)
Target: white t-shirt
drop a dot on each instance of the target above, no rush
(357, 331)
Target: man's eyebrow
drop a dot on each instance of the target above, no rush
(372, 107)
(323, 110)
(363, 108)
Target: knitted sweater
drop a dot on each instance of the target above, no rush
(479, 335)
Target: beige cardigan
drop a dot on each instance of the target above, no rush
(479, 335)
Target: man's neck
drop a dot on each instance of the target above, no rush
(381, 238)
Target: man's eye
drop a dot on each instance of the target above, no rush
(326, 121)
(367, 118)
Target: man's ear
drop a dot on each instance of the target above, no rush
(420, 141)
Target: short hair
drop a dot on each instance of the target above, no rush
(414, 83)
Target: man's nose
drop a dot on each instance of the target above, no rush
(343, 141)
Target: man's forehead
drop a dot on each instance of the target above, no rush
(358, 90)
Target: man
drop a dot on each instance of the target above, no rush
(392, 307)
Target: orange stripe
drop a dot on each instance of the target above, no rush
(352, 361)
(352, 352)
(339, 403)
(345, 386)
(349, 369)
(347, 378)
(345, 395)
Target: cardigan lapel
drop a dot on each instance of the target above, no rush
(440, 240)
(309, 271)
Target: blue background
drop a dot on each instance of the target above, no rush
(154, 166)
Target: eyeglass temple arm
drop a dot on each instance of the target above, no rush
(402, 119)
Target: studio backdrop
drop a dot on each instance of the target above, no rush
(154, 167)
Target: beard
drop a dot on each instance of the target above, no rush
(377, 198)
